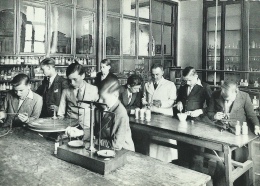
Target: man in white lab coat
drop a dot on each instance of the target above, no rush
(160, 95)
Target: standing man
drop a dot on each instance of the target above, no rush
(193, 95)
(159, 93)
(130, 94)
(21, 105)
(51, 88)
(79, 90)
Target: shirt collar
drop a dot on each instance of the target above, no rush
(51, 79)
(128, 92)
(29, 95)
(199, 82)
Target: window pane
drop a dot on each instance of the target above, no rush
(166, 65)
(86, 3)
(113, 6)
(115, 66)
(129, 64)
(144, 7)
(157, 39)
(167, 40)
(84, 32)
(113, 36)
(143, 39)
(33, 24)
(129, 37)
(167, 13)
(156, 11)
(63, 1)
(129, 7)
(61, 24)
(7, 26)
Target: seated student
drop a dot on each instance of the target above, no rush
(130, 95)
(117, 134)
(21, 105)
(105, 66)
(238, 104)
(193, 95)
(51, 88)
(79, 90)
(239, 107)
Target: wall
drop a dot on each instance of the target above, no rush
(190, 34)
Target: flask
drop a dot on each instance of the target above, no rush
(148, 114)
(256, 84)
(255, 102)
(244, 128)
(242, 82)
(238, 128)
(246, 83)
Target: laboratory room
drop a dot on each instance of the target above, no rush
(129, 92)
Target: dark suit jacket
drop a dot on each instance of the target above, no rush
(98, 78)
(116, 132)
(242, 108)
(52, 95)
(196, 98)
(30, 106)
(135, 101)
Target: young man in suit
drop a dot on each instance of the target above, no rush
(79, 90)
(21, 105)
(159, 93)
(238, 106)
(193, 95)
(51, 88)
(104, 73)
(130, 95)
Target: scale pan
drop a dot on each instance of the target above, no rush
(76, 143)
(106, 153)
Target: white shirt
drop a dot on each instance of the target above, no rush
(51, 79)
(191, 87)
(129, 95)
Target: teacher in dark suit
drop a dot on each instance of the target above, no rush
(51, 88)
(193, 95)
(105, 73)
(130, 95)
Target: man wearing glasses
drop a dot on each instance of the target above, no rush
(130, 94)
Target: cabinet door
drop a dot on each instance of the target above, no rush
(232, 47)
(7, 21)
(254, 40)
(213, 51)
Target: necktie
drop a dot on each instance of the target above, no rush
(155, 85)
(79, 95)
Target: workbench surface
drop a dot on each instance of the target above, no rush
(26, 158)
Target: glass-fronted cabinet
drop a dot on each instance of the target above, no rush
(222, 46)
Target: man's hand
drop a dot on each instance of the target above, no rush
(144, 102)
(257, 130)
(54, 108)
(23, 117)
(2, 115)
(157, 103)
(180, 106)
(74, 132)
(219, 116)
(196, 113)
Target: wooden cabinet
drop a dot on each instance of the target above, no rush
(231, 44)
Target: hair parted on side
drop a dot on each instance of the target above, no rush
(189, 70)
(107, 62)
(19, 79)
(109, 86)
(75, 67)
(134, 80)
(48, 62)
(156, 65)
